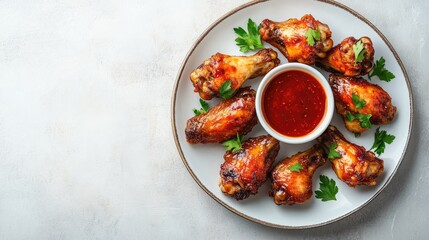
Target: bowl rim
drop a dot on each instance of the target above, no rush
(329, 105)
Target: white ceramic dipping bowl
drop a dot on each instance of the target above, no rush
(329, 104)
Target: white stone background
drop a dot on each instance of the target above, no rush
(86, 147)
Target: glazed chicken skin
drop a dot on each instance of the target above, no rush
(225, 120)
(378, 102)
(245, 170)
(289, 37)
(356, 166)
(290, 187)
(341, 58)
(220, 68)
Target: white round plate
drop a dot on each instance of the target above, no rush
(203, 160)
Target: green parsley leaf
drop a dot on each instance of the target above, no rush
(328, 189)
(359, 50)
(357, 101)
(364, 119)
(332, 153)
(251, 40)
(380, 71)
(296, 167)
(357, 134)
(204, 108)
(349, 116)
(380, 140)
(312, 36)
(225, 90)
(233, 144)
(196, 111)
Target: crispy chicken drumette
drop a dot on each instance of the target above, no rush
(355, 166)
(245, 170)
(220, 68)
(341, 58)
(370, 101)
(290, 38)
(225, 120)
(290, 187)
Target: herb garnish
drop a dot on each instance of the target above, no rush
(328, 189)
(332, 153)
(225, 90)
(312, 36)
(359, 50)
(296, 167)
(251, 40)
(380, 140)
(204, 108)
(233, 144)
(380, 71)
(359, 103)
(363, 119)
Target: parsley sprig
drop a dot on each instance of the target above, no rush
(380, 71)
(204, 108)
(233, 144)
(312, 36)
(328, 189)
(225, 90)
(359, 103)
(250, 40)
(296, 167)
(359, 50)
(380, 140)
(364, 119)
(332, 153)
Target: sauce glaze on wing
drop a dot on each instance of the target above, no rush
(225, 120)
(220, 68)
(289, 37)
(341, 58)
(356, 166)
(378, 102)
(290, 187)
(245, 170)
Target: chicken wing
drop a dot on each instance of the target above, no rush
(341, 58)
(290, 38)
(356, 166)
(245, 170)
(290, 187)
(225, 120)
(377, 102)
(220, 68)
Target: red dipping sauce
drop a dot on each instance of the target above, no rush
(294, 103)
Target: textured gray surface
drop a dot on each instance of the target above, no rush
(86, 149)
